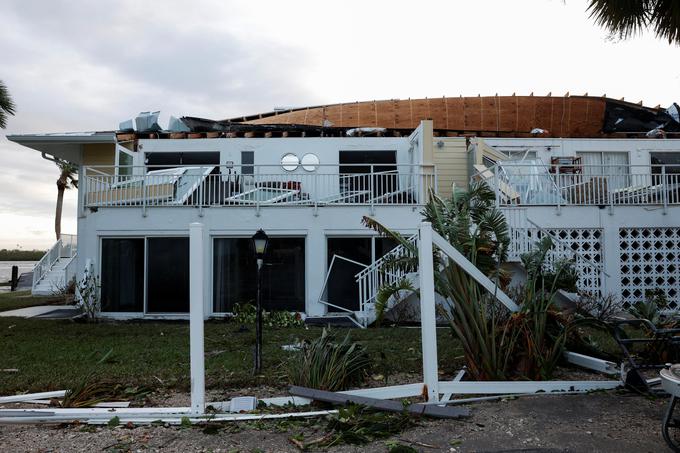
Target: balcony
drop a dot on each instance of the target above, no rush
(534, 183)
(257, 186)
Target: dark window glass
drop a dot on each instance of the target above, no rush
(155, 161)
(342, 289)
(168, 275)
(356, 177)
(122, 275)
(383, 246)
(235, 273)
(670, 159)
(247, 161)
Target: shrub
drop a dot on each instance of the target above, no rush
(326, 364)
(246, 313)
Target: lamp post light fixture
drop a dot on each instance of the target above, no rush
(260, 240)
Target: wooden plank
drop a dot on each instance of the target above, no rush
(383, 405)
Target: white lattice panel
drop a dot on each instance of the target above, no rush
(649, 260)
(582, 244)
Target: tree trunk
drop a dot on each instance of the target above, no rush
(57, 214)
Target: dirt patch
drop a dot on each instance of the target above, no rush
(599, 422)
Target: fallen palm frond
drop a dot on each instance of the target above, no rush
(325, 364)
(88, 393)
(358, 425)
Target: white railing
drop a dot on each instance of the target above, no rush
(66, 247)
(43, 266)
(534, 184)
(258, 185)
(381, 273)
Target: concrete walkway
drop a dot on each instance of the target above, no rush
(42, 311)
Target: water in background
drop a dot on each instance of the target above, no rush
(6, 268)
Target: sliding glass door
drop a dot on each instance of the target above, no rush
(235, 274)
(122, 275)
(167, 287)
(145, 275)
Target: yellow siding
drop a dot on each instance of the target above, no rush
(100, 154)
(452, 164)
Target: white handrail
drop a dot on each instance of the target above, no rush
(375, 276)
(582, 185)
(259, 185)
(43, 266)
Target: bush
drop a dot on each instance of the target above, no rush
(246, 313)
(325, 364)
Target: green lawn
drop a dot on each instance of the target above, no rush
(23, 299)
(53, 355)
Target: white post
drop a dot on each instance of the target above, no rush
(196, 349)
(428, 321)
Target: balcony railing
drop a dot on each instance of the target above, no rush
(257, 185)
(533, 183)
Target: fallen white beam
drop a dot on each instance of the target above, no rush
(512, 387)
(27, 417)
(592, 363)
(32, 396)
(394, 391)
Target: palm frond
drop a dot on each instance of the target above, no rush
(7, 106)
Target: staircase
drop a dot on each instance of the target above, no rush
(56, 268)
(381, 273)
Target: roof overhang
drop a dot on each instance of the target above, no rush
(66, 146)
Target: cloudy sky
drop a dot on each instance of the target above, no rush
(87, 65)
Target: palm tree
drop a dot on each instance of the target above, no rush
(630, 17)
(67, 179)
(6, 105)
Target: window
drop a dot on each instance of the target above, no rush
(235, 273)
(168, 275)
(122, 275)
(164, 159)
(611, 165)
(124, 163)
(669, 159)
(247, 162)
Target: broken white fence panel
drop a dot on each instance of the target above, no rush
(32, 396)
(473, 271)
(592, 363)
(395, 391)
(512, 387)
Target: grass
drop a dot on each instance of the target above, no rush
(23, 299)
(53, 354)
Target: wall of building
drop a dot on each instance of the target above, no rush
(99, 154)
(638, 245)
(450, 157)
(315, 226)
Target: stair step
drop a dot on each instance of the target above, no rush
(332, 319)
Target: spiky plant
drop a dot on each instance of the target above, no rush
(327, 364)
(7, 106)
(627, 18)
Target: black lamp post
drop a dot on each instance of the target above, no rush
(260, 240)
